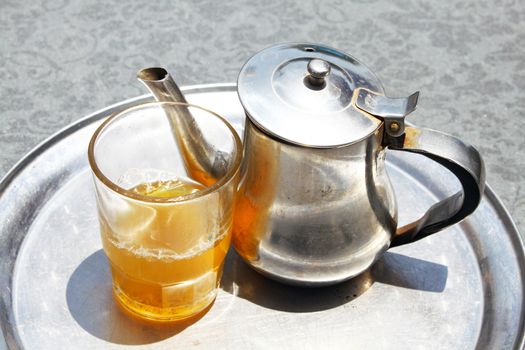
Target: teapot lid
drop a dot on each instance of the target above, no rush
(304, 94)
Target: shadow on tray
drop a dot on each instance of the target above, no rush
(90, 301)
(393, 269)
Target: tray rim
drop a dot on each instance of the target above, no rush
(516, 238)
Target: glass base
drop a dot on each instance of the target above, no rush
(165, 314)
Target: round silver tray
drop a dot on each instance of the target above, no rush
(462, 288)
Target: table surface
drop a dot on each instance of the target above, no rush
(61, 60)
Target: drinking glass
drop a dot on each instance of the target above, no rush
(165, 221)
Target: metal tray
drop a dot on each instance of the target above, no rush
(462, 288)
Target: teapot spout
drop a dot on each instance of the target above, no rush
(202, 162)
(161, 84)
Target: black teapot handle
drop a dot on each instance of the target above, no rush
(463, 160)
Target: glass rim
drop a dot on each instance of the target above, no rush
(150, 199)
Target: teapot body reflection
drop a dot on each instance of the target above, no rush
(322, 218)
(315, 205)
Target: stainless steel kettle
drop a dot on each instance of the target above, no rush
(315, 205)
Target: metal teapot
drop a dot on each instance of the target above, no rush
(315, 205)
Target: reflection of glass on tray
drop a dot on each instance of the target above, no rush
(165, 234)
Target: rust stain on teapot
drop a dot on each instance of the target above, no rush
(411, 137)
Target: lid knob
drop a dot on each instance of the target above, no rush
(319, 70)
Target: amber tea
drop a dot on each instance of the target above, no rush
(160, 269)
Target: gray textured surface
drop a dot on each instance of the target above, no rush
(60, 60)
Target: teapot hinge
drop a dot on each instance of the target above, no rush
(391, 110)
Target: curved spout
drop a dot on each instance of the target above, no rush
(161, 84)
(202, 162)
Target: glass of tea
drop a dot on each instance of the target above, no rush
(165, 205)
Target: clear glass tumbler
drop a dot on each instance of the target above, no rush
(165, 219)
